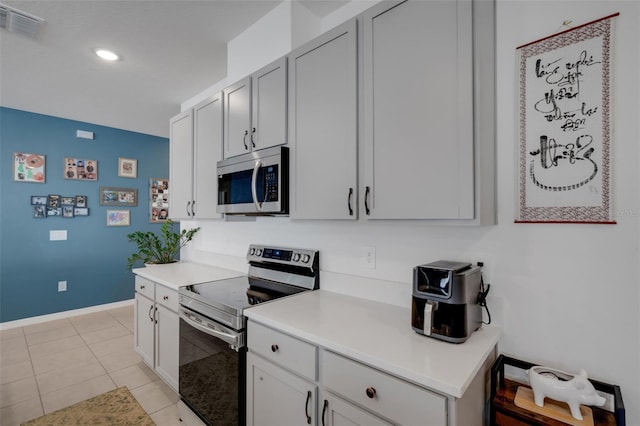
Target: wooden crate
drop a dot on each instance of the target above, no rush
(504, 412)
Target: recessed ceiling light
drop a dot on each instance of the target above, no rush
(107, 55)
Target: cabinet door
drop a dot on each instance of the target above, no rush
(323, 121)
(144, 328)
(418, 110)
(277, 397)
(207, 151)
(269, 105)
(337, 412)
(181, 166)
(167, 338)
(237, 118)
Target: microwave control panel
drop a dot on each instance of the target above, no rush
(271, 183)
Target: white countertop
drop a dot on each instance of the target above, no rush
(175, 275)
(381, 336)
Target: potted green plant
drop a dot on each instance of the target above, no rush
(154, 249)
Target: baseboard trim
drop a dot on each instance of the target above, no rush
(65, 314)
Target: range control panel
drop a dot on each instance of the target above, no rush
(289, 256)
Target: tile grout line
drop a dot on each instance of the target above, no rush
(35, 379)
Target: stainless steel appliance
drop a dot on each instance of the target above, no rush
(445, 303)
(212, 365)
(256, 183)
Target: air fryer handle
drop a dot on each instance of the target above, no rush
(429, 308)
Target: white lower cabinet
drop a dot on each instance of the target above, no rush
(283, 383)
(156, 328)
(144, 328)
(382, 394)
(338, 412)
(276, 396)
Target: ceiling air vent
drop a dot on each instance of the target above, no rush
(20, 22)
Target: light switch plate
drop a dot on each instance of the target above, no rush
(83, 134)
(58, 235)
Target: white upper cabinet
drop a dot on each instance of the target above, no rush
(422, 154)
(418, 110)
(269, 105)
(181, 166)
(255, 111)
(323, 121)
(207, 151)
(195, 148)
(237, 118)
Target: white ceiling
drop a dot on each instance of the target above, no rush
(171, 50)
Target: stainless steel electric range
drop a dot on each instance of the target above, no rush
(212, 365)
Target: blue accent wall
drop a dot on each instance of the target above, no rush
(93, 258)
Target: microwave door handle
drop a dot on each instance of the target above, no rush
(254, 182)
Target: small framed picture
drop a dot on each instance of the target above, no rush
(54, 211)
(39, 200)
(67, 201)
(53, 201)
(28, 167)
(127, 167)
(81, 201)
(67, 211)
(40, 211)
(80, 169)
(159, 203)
(81, 211)
(124, 197)
(118, 217)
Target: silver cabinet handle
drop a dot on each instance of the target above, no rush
(193, 208)
(188, 205)
(252, 141)
(244, 139)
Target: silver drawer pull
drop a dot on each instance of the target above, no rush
(274, 348)
(371, 392)
(165, 298)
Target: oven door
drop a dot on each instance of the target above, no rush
(212, 369)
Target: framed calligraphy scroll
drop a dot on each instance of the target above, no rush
(564, 163)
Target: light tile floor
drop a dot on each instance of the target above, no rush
(51, 365)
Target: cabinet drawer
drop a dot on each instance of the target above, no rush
(145, 287)
(167, 297)
(388, 396)
(282, 349)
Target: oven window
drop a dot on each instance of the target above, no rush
(211, 377)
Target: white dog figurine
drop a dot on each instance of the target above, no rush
(565, 387)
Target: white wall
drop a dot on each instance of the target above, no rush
(566, 295)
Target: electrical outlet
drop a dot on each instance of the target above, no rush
(62, 286)
(370, 257)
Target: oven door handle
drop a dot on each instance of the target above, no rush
(232, 339)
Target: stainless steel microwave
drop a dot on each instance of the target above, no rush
(256, 183)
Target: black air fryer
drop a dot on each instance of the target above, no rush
(445, 300)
